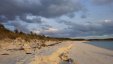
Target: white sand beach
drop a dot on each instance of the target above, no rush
(81, 53)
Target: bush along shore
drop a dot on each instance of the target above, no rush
(14, 41)
(17, 40)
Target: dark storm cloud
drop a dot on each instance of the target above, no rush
(88, 29)
(102, 2)
(30, 15)
(33, 11)
(27, 26)
(44, 8)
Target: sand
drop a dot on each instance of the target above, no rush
(82, 53)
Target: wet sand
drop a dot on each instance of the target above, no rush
(82, 53)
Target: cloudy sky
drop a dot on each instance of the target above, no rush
(59, 18)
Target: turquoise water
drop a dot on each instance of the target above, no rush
(103, 44)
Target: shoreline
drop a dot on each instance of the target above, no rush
(81, 52)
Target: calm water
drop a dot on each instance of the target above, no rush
(103, 44)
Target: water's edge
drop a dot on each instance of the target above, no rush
(102, 44)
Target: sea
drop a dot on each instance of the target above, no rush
(102, 44)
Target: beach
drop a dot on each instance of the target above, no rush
(81, 53)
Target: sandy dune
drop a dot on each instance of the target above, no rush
(55, 58)
(82, 53)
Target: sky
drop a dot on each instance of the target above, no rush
(59, 18)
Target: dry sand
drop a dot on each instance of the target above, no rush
(82, 53)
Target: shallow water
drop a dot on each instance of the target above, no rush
(103, 44)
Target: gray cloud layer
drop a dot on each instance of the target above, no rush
(23, 13)
(100, 28)
(45, 8)
(102, 2)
